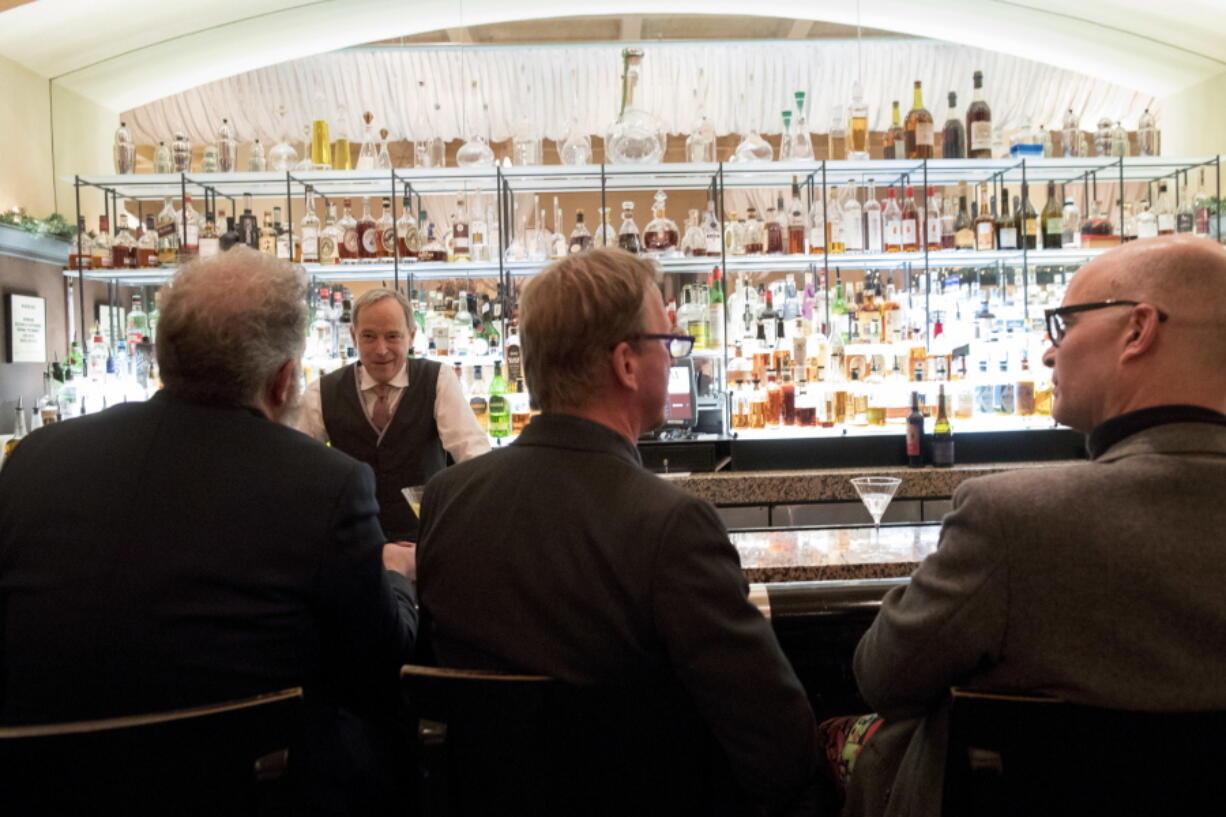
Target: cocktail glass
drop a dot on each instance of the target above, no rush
(876, 493)
(414, 495)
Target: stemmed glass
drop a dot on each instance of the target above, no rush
(876, 493)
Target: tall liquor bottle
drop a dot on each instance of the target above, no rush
(874, 240)
(147, 246)
(836, 139)
(309, 244)
(932, 221)
(715, 311)
(910, 223)
(248, 225)
(892, 218)
(985, 224)
(953, 137)
(753, 236)
(1007, 226)
(103, 258)
(1166, 216)
(1053, 220)
(123, 248)
(1185, 217)
(915, 434)
(461, 237)
(894, 146)
(367, 233)
(499, 406)
(1201, 210)
(834, 224)
(268, 237)
(330, 239)
(942, 435)
(477, 399)
(189, 226)
(580, 237)
(796, 221)
(1027, 221)
(210, 241)
(964, 228)
(918, 127)
(853, 220)
(407, 237)
(281, 236)
(628, 234)
(979, 123)
(385, 231)
(348, 249)
(857, 114)
(168, 236)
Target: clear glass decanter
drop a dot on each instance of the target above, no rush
(660, 238)
(369, 152)
(637, 137)
(282, 155)
(161, 159)
(181, 153)
(700, 145)
(125, 150)
(384, 160)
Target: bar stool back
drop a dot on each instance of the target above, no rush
(1012, 754)
(227, 759)
(493, 743)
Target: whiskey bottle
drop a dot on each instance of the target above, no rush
(910, 223)
(1027, 221)
(248, 226)
(407, 236)
(964, 229)
(985, 224)
(932, 221)
(123, 247)
(349, 248)
(953, 137)
(857, 142)
(368, 233)
(628, 234)
(268, 236)
(753, 237)
(773, 229)
(580, 237)
(892, 218)
(309, 228)
(894, 145)
(1007, 226)
(1053, 220)
(385, 231)
(102, 256)
(210, 241)
(796, 221)
(948, 218)
(330, 239)
(660, 238)
(147, 246)
(918, 128)
(979, 123)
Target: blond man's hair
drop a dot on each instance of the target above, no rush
(571, 316)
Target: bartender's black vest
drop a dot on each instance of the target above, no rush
(408, 453)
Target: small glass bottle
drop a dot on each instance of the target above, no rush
(124, 151)
(161, 159)
(227, 148)
(857, 142)
(256, 162)
(802, 143)
(580, 238)
(433, 249)
(752, 237)
(836, 138)
(1070, 134)
(694, 242)
(1147, 134)
(181, 153)
(309, 228)
(628, 234)
(605, 236)
(369, 151)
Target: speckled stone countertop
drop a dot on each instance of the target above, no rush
(833, 484)
(829, 554)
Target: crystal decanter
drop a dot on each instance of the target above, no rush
(660, 238)
(637, 137)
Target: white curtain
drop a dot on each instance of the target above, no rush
(489, 90)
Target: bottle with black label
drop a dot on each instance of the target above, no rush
(915, 434)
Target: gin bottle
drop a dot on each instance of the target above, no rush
(802, 145)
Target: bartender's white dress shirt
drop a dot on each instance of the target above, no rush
(461, 435)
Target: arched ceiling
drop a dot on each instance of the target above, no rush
(122, 56)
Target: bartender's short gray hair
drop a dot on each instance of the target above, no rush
(228, 324)
(373, 296)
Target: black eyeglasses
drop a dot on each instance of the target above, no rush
(678, 345)
(1057, 328)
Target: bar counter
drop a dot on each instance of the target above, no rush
(783, 555)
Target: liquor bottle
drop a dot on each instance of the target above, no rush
(910, 223)
(700, 144)
(802, 143)
(499, 406)
(231, 236)
(123, 247)
(817, 226)
(636, 137)
(349, 247)
(873, 226)
(188, 224)
(752, 237)
(772, 229)
(948, 218)
(796, 221)
(367, 233)
(580, 238)
(1007, 226)
(660, 238)
(248, 226)
(19, 430)
(147, 246)
(103, 258)
(711, 231)
(1070, 233)
(1070, 135)
(853, 219)
(979, 123)
(942, 435)
(836, 138)
(894, 145)
(1147, 222)
(432, 249)
(1166, 216)
(281, 237)
(407, 237)
(137, 324)
(715, 311)
(477, 397)
(479, 233)
(1053, 220)
(82, 255)
(461, 234)
(1147, 135)
(917, 129)
(892, 218)
(1027, 221)
(309, 228)
(1201, 210)
(932, 221)
(915, 434)
(964, 228)
(268, 237)
(628, 234)
(330, 239)
(210, 241)
(558, 244)
(385, 231)
(1185, 217)
(985, 224)
(953, 137)
(835, 242)
(788, 391)
(857, 142)
(605, 236)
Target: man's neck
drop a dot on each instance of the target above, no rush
(609, 415)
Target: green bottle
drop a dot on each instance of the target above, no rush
(500, 407)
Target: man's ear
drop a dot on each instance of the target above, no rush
(1142, 332)
(282, 385)
(623, 363)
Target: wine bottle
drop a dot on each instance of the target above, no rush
(942, 435)
(915, 434)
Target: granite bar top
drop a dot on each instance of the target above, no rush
(833, 484)
(832, 554)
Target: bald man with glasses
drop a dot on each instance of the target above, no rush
(1100, 582)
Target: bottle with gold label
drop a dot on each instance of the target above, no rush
(330, 239)
(268, 237)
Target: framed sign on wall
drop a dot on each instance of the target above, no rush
(26, 328)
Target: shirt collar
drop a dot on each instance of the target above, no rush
(366, 382)
(1117, 428)
(578, 434)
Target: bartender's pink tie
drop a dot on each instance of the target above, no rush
(381, 415)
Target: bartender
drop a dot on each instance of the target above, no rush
(394, 413)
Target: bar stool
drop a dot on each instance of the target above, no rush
(1019, 754)
(507, 744)
(227, 758)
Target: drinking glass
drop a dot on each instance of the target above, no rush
(876, 493)
(414, 496)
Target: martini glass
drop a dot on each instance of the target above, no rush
(876, 493)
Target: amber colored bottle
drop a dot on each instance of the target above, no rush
(348, 247)
(979, 124)
(774, 400)
(910, 223)
(894, 145)
(368, 233)
(917, 130)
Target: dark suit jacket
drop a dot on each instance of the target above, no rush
(561, 555)
(1101, 583)
(168, 553)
